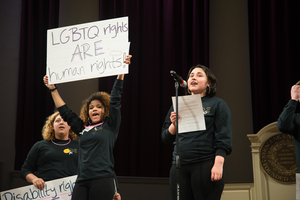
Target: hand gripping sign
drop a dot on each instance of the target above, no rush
(88, 50)
(56, 189)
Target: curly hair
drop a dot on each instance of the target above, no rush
(48, 132)
(103, 97)
(211, 78)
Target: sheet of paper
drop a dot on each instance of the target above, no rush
(191, 113)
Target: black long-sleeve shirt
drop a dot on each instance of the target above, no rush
(49, 161)
(289, 122)
(203, 145)
(97, 143)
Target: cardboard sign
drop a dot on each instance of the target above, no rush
(88, 50)
(57, 189)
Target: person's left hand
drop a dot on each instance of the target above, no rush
(127, 59)
(295, 92)
(217, 169)
(45, 79)
(117, 196)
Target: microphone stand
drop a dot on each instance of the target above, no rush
(177, 161)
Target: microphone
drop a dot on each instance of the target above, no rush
(178, 79)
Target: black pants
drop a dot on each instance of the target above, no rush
(195, 182)
(99, 189)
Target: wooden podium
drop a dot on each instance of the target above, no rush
(274, 164)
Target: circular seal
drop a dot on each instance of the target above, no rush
(278, 159)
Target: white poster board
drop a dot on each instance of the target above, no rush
(88, 50)
(57, 189)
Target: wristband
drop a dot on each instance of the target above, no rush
(51, 90)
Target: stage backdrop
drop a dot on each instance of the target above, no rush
(274, 56)
(165, 35)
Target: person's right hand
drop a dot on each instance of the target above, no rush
(117, 196)
(38, 183)
(45, 79)
(172, 127)
(295, 92)
(173, 118)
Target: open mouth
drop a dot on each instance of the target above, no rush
(95, 114)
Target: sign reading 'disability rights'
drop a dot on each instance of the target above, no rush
(56, 189)
(86, 51)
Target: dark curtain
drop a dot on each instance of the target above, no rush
(34, 101)
(165, 35)
(274, 56)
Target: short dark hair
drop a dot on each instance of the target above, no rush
(211, 78)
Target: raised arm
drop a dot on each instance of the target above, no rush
(127, 61)
(286, 120)
(58, 101)
(120, 76)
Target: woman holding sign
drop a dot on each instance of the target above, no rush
(54, 157)
(97, 128)
(201, 153)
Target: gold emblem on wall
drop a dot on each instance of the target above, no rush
(278, 159)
